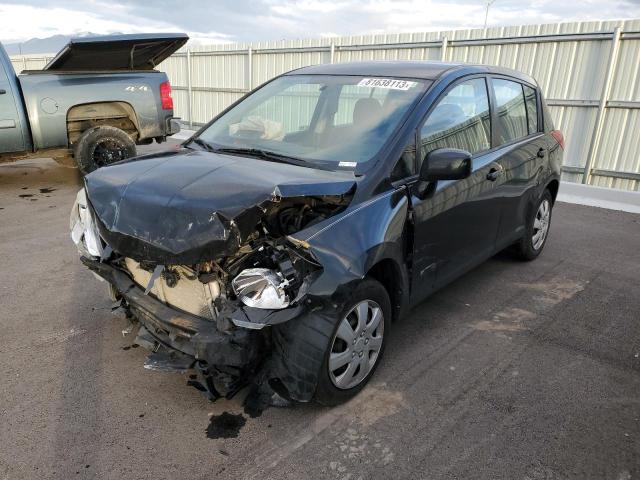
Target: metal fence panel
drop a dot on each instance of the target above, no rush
(589, 72)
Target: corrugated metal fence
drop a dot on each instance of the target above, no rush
(589, 71)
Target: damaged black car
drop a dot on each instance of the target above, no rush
(278, 245)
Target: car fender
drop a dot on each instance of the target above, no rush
(349, 244)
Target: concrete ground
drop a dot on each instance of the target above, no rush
(516, 371)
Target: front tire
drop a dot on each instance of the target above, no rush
(537, 228)
(102, 146)
(356, 345)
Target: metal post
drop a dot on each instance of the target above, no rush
(189, 89)
(606, 88)
(443, 49)
(249, 80)
(332, 54)
(486, 13)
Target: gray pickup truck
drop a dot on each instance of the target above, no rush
(91, 104)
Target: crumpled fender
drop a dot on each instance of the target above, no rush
(347, 245)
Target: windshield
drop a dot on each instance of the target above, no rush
(334, 121)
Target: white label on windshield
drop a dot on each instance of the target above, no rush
(348, 164)
(389, 83)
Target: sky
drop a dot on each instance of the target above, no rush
(224, 21)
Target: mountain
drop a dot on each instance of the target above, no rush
(43, 45)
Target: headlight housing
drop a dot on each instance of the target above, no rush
(261, 288)
(84, 231)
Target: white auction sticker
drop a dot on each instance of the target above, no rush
(386, 83)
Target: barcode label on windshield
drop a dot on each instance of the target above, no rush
(386, 83)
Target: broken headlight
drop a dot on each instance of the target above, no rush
(261, 288)
(84, 231)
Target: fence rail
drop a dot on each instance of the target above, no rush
(589, 71)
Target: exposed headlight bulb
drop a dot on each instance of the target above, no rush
(261, 288)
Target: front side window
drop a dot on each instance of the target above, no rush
(460, 120)
(511, 111)
(328, 120)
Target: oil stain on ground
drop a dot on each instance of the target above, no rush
(225, 425)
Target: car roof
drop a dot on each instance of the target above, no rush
(427, 70)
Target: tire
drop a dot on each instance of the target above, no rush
(530, 246)
(102, 146)
(328, 390)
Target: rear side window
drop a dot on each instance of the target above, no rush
(510, 107)
(460, 120)
(546, 116)
(532, 108)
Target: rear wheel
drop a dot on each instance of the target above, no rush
(102, 146)
(537, 228)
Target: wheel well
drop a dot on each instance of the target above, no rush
(388, 274)
(553, 188)
(115, 114)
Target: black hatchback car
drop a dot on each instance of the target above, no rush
(277, 246)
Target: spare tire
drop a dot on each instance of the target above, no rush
(102, 146)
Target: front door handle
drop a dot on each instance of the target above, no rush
(2, 91)
(494, 173)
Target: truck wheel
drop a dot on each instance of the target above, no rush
(102, 146)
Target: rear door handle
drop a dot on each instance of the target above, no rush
(2, 91)
(494, 173)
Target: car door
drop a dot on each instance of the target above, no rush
(522, 150)
(456, 221)
(11, 139)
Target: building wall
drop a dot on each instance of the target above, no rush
(589, 71)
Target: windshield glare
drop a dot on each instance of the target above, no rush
(336, 120)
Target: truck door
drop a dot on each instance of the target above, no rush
(11, 134)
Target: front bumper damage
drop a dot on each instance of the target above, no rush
(225, 357)
(201, 250)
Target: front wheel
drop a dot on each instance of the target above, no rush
(102, 146)
(357, 344)
(537, 228)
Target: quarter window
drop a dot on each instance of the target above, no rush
(512, 114)
(404, 166)
(532, 109)
(460, 120)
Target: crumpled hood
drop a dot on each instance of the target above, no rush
(186, 206)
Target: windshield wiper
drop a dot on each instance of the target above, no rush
(263, 154)
(207, 146)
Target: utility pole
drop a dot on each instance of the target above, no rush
(486, 13)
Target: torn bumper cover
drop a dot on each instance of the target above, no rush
(186, 333)
(216, 349)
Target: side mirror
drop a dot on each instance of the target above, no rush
(446, 164)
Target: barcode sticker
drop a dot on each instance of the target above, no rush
(389, 83)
